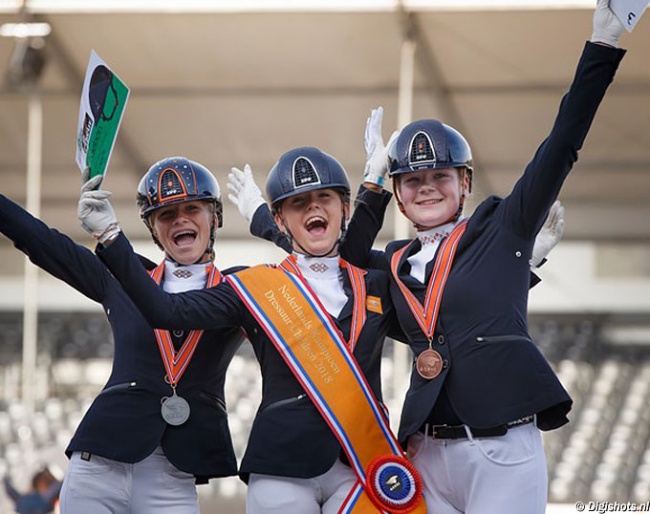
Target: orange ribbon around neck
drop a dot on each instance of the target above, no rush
(176, 362)
(427, 315)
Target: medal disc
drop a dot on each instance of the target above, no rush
(175, 410)
(429, 364)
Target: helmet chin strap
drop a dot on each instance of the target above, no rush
(302, 248)
(209, 251)
(317, 255)
(213, 237)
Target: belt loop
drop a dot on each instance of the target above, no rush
(535, 420)
(470, 436)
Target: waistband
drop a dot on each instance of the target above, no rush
(460, 431)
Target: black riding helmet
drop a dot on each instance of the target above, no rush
(302, 170)
(429, 144)
(177, 180)
(305, 169)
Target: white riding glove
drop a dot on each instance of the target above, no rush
(549, 235)
(96, 212)
(244, 192)
(376, 152)
(607, 27)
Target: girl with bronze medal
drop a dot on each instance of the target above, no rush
(477, 401)
(429, 362)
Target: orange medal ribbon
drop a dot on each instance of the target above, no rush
(176, 362)
(429, 363)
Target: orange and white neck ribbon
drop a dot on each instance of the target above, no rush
(427, 315)
(313, 347)
(176, 362)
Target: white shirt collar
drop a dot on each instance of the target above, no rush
(179, 278)
(324, 276)
(319, 268)
(430, 240)
(435, 234)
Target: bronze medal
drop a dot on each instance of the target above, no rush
(429, 364)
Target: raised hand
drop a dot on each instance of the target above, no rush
(244, 192)
(549, 235)
(95, 211)
(376, 152)
(607, 27)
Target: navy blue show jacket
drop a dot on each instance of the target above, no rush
(493, 373)
(124, 422)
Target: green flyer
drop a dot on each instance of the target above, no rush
(103, 99)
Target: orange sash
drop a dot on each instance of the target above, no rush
(314, 349)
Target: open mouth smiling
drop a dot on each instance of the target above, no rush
(429, 201)
(316, 225)
(184, 238)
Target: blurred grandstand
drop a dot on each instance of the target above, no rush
(603, 454)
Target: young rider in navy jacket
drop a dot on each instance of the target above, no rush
(124, 456)
(480, 389)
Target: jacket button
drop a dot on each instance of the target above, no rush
(445, 363)
(441, 339)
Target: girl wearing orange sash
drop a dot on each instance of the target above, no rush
(295, 460)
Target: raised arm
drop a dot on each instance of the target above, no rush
(263, 225)
(539, 186)
(53, 251)
(248, 199)
(366, 222)
(10, 490)
(211, 309)
(372, 200)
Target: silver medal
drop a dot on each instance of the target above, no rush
(175, 410)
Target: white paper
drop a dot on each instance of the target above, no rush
(102, 103)
(628, 11)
